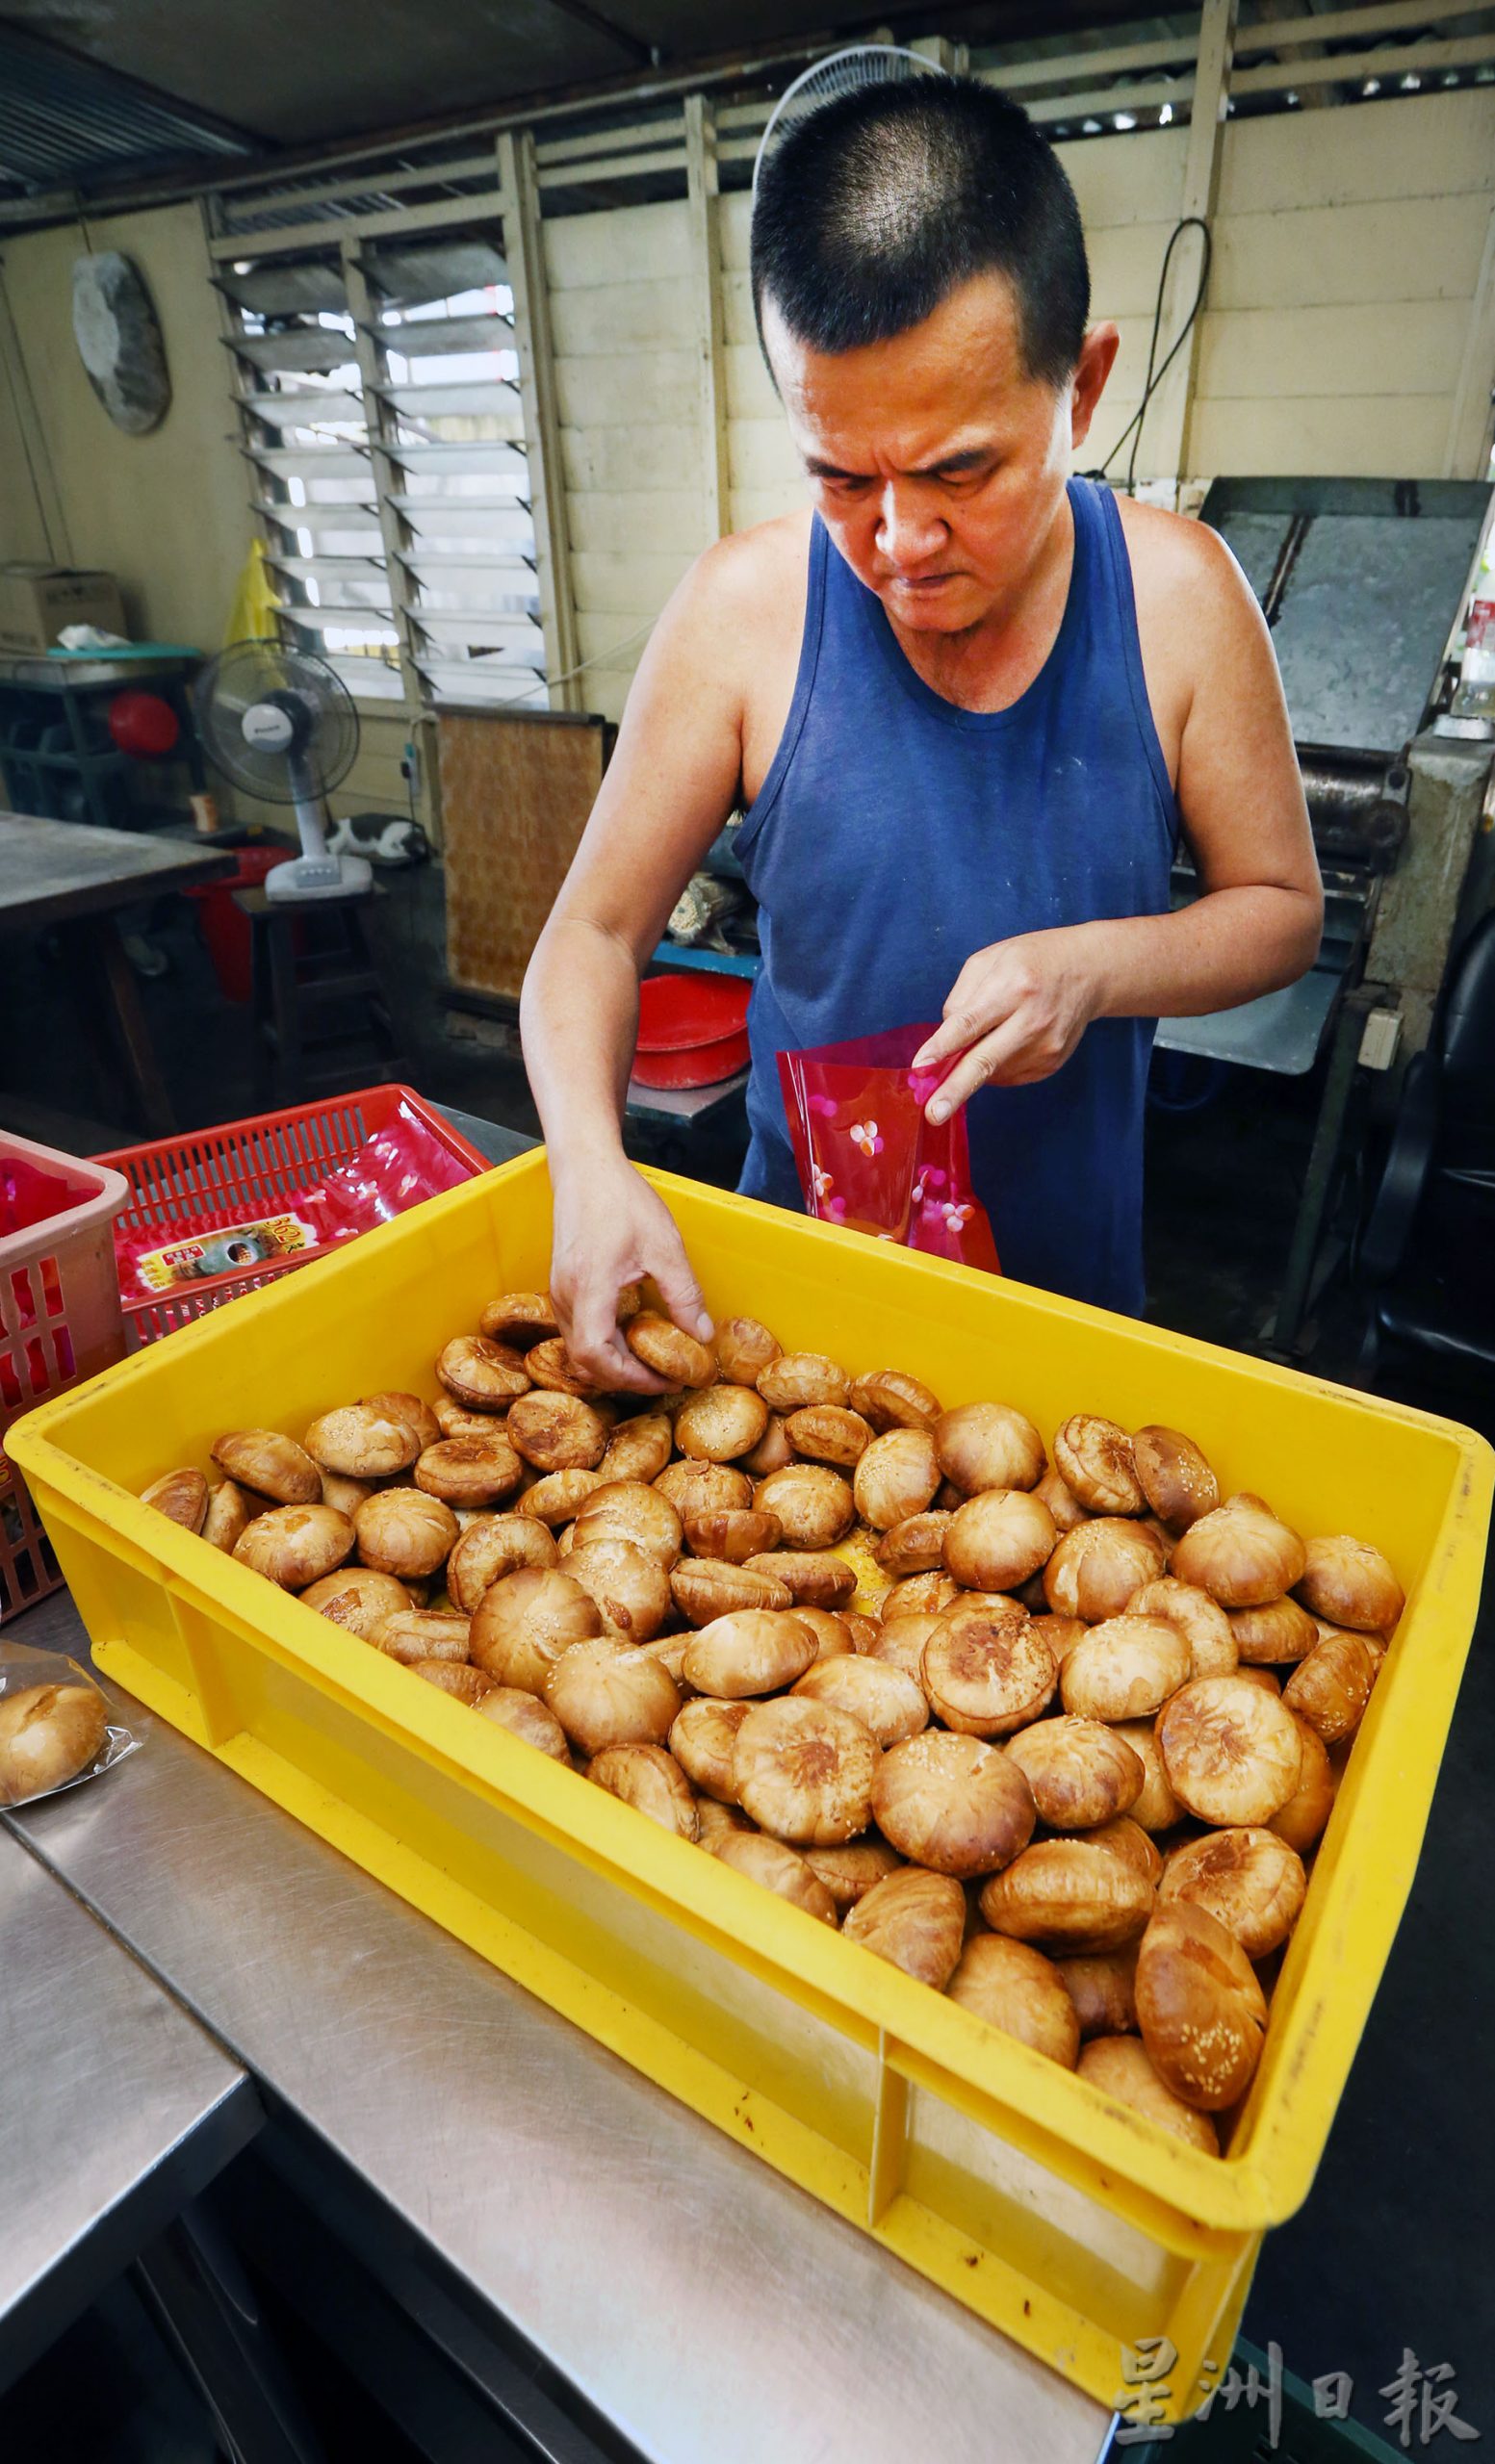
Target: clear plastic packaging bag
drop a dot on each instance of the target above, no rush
(54, 1730)
(398, 1165)
(868, 1157)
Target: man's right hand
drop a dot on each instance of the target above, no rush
(610, 1229)
(674, 778)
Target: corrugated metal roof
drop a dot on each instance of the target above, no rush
(304, 73)
(64, 120)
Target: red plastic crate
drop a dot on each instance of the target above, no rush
(190, 1187)
(60, 1321)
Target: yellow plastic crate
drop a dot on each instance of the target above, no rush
(1067, 2220)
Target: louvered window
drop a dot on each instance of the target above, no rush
(455, 446)
(378, 388)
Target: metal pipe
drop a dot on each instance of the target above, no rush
(1282, 572)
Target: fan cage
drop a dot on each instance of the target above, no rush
(840, 72)
(250, 672)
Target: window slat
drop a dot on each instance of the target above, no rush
(483, 628)
(319, 462)
(479, 517)
(314, 568)
(376, 621)
(303, 349)
(431, 563)
(466, 598)
(337, 596)
(438, 457)
(305, 287)
(317, 518)
(309, 407)
(368, 680)
(484, 680)
(485, 397)
(425, 337)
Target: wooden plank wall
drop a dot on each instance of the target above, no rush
(622, 309)
(1349, 248)
(766, 478)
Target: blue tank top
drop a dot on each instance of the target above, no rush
(895, 833)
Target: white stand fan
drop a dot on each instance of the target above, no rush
(282, 725)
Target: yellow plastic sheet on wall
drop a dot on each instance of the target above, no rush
(252, 617)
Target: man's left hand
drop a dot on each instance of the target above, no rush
(1016, 1013)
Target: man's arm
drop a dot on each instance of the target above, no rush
(1019, 1008)
(669, 787)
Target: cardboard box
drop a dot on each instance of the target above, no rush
(38, 600)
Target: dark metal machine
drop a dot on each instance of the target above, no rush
(1362, 582)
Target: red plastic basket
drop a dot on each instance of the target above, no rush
(60, 1321)
(209, 1183)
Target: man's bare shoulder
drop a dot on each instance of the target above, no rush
(1196, 617)
(737, 615)
(1197, 613)
(748, 574)
(1181, 563)
(724, 649)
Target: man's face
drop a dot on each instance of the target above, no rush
(939, 464)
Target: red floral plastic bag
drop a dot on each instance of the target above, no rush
(868, 1157)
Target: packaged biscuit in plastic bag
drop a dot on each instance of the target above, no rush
(55, 1727)
(868, 1158)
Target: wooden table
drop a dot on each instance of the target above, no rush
(73, 880)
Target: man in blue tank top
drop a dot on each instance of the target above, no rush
(966, 706)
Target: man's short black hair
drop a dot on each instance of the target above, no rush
(878, 205)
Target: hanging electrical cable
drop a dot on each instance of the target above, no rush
(1155, 374)
(599, 658)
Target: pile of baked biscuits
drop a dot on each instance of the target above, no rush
(1056, 1730)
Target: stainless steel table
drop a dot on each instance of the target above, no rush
(682, 1104)
(116, 2107)
(500, 1145)
(702, 2306)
